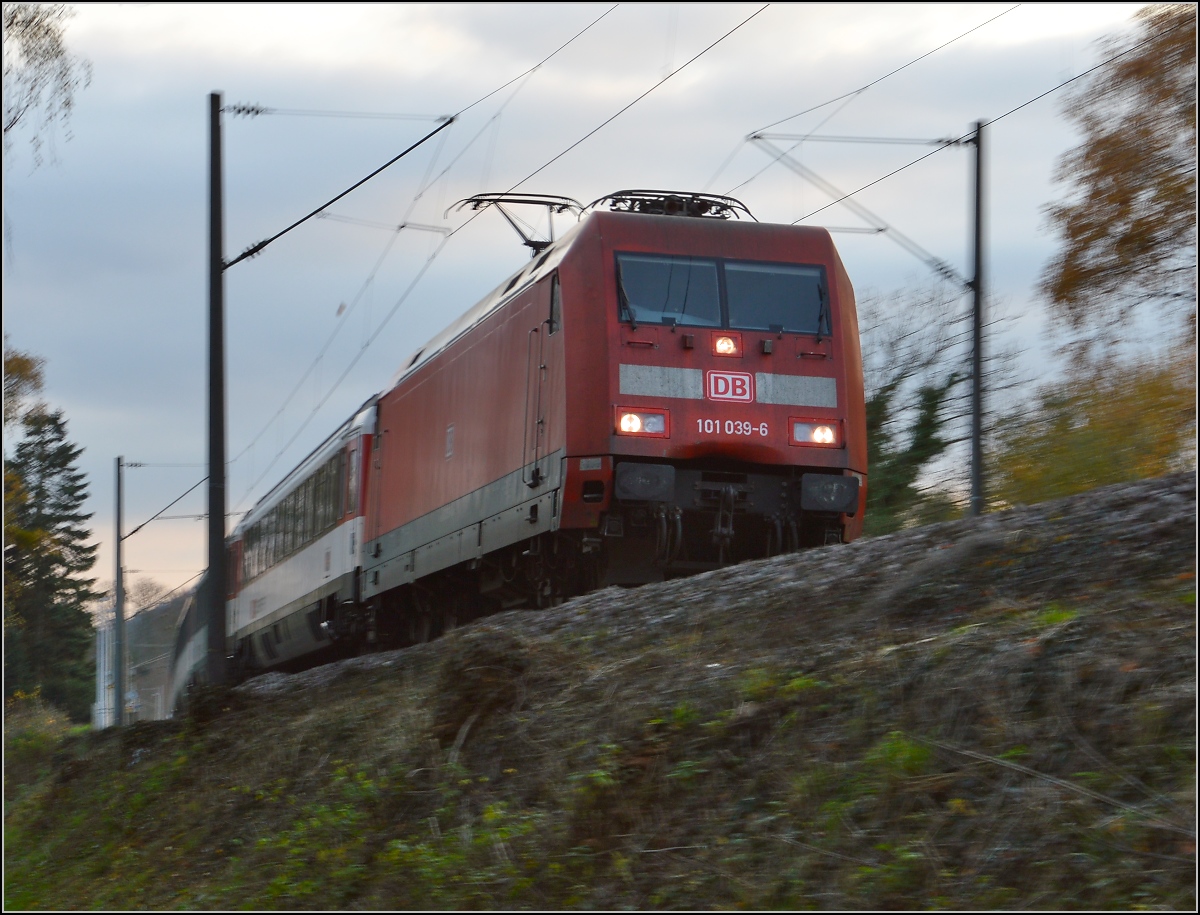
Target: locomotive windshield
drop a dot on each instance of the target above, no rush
(660, 289)
(774, 296)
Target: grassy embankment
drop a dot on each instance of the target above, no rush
(932, 719)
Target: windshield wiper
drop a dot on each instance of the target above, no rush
(822, 311)
(623, 298)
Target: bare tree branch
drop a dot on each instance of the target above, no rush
(40, 76)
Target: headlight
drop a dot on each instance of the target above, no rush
(817, 432)
(642, 422)
(727, 344)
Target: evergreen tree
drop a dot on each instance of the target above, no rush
(894, 467)
(48, 633)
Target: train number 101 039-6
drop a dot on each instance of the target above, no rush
(730, 427)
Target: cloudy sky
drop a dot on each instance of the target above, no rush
(104, 261)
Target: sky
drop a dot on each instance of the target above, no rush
(104, 267)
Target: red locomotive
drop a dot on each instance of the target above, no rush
(662, 391)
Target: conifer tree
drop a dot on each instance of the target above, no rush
(894, 465)
(48, 632)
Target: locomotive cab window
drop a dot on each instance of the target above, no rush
(657, 289)
(555, 321)
(786, 296)
(714, 292)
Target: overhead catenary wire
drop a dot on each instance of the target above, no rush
(446, 121)
(936, 264)
(890, 73)
(193, 517)
(353, 362)
(158, 513)
(609, 120)
(391, 227)
(849, 96)
(129, 464)
(826, 138)
(337, 327)
(967, 136)
(569, 41)
(426, 184)
(181, 587)
(156, 571)
(589, 134)
(258, 247)
(445, 240)
(256, 110)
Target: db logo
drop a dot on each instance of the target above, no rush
(738, 386)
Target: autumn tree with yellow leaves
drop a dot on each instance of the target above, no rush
(1128, 232)
(1107, 422)
(1128, 225)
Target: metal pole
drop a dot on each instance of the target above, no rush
(215, 591)
(977, 492)
(119, 614)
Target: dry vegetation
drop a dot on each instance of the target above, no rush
(997, 715)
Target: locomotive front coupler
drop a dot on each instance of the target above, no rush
(722, 532)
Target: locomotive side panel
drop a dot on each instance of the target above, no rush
(856, 412)
(469, 447)
(585, 293)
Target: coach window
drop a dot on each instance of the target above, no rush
(268, 526)
(304, 512)
(352, 483)
(232, 569)
(294, 541)
(279, 537)
(339, 486)
(288, 519)
(248, 555)
(317, 510)
(788, 297)
(319, 501)
(658, 289)
(299, 509)
(328, 495)
(314, 505)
